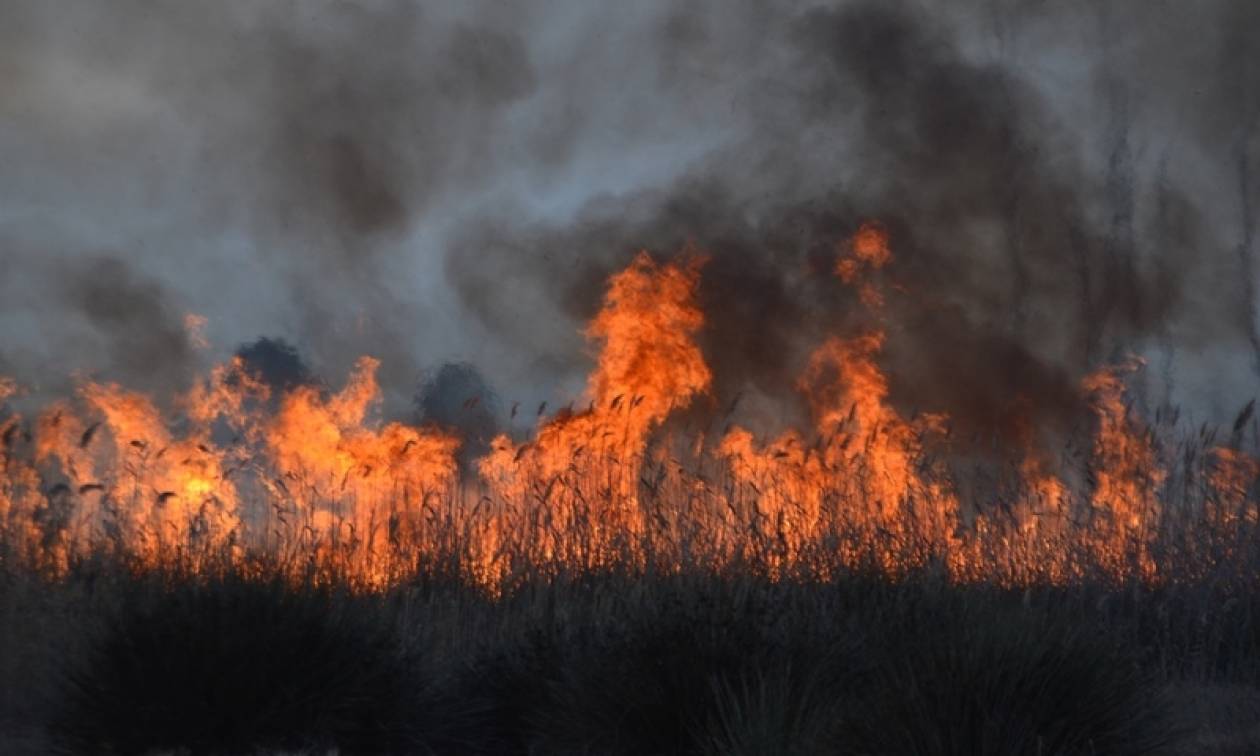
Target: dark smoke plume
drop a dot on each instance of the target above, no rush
(276, 363)
(1063, 185)
(455, 397)
(1026, 255)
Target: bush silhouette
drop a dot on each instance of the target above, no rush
(952, 679)
(229, 665)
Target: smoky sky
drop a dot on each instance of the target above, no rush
(1064, 184)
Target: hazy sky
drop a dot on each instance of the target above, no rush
(1065, 183)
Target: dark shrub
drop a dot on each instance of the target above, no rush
(781, 710)
(227, 666)
(675, 682)
(952, 680)
(510, 686)
(641, 693)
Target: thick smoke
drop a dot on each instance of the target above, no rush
(456, 398)
(1037, 238)
(276, 364)
(1063, 185)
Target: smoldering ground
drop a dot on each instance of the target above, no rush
(1063, 185)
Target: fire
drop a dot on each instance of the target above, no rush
(1127, 471)
(313, 479)
(649, 356)
(123, 478)
(350, 483)
(867, 252)
(583, 468)
(19, 487)
(1234, 474)
(868, 249)
(865, 461)
(195, 327)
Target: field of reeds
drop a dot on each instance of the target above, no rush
(252, 568)
(868, 459)
(220, 654)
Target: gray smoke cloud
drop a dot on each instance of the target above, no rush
(1063, 183)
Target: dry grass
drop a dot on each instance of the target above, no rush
(706, 631)
(695, 662)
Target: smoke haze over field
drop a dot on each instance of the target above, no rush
(1063, 184)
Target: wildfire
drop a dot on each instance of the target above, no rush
(315, 479)
(195, 327)
(583, 468)
(864, 453)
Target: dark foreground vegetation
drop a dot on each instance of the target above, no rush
(106, 661)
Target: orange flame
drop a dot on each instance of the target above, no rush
(349, 483)
(314, 480)
(195, 327)
(1127, 472)
(584, 467)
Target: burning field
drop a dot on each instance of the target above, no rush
(639, 573)
(645, 469)
(841, 378)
